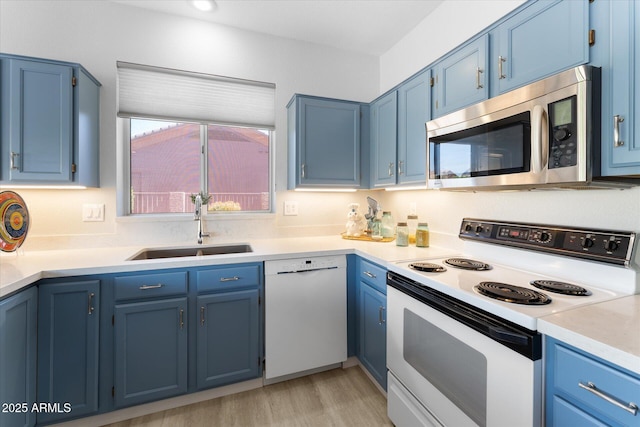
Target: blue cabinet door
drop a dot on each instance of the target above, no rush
(373, 332)
(414, 110)
(621, 124)
(41, 122)
(384, 120)
(68, 348)
(228, 345)
(461, 78)
(543, 39)
(150, 342)
(324, 143)
(18, 343)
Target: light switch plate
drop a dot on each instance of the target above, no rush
(92, 212)
(290, 208)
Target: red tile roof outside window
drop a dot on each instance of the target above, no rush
(165, 169)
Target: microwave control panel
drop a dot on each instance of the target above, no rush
(563, 135)
(613, 247)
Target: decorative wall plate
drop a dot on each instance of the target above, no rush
(14, 223)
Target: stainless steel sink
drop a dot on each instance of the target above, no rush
(191, 251)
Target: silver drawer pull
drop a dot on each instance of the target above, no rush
(380, 315)
(12, 160)
(229, 279)
(368, 274)
(145, 287)
(617, 142)
(90, 303)
(631, 407)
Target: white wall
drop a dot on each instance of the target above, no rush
(99, 33)
(450, 25)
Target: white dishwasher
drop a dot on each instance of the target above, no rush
(305, 314)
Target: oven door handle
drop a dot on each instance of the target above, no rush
(503, 335)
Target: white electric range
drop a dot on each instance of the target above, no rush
(462, 341)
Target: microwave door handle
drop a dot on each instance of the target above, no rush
(538, 141)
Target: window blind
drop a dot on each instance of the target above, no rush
(163, 93)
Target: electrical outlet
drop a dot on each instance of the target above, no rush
(92, 212)
(290, 208)
(413, 209)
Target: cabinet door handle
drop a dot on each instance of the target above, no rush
(90, 303)
(181, 318)
(229, 279)
(12, 160)
(380, 315)
(302, 170)
(400, 164)
(147, 287)
(617, 142)
(478, 82)
(501, 60)
(369, 274)
(630, 407)
(391, 169)
(202, 315)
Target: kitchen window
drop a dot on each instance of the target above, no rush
(187, 133)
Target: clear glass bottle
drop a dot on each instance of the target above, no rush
(412, 224)
(376, 229)
(422, 235)
(388, 226)
(402, 234)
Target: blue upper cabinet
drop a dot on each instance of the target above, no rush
(461, 78)
(50, 123)
(18, 343)
(414, 110)
(617, 51)
(324, 143)
(383, 139)
(542, 39)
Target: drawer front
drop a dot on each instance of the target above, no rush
(374, 275)
(150, 285)
(230, 277)
(573, 368)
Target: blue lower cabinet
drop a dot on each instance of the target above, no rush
(68, 349)
(584, 390)
(373, 333)
(150, 344)
(228, 348)
(18, 342)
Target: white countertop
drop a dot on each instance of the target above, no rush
(609, 330)
(20, 269)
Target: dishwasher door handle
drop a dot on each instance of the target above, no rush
(306, 271)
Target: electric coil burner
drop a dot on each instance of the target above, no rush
(427, 267)
(467, 264)
(560, 287)
(512, 293)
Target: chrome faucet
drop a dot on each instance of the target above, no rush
(198, 217)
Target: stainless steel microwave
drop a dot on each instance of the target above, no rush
(546, 134)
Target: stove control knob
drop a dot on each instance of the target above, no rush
(587, 243)
(545, 237)
(611, 246)
(468, 228)
(479, 229)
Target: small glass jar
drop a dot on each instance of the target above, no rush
(402, 234)
(422, 235)
(412, 223)
(376, 229)
(388, 226)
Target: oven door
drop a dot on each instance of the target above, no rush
(460, 377)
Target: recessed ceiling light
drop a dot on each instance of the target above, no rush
(203, 5)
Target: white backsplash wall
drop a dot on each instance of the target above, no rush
(609, 209)
(96, 34)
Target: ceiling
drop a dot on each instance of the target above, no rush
(364, 26)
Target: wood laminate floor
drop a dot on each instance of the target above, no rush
(340, 397)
